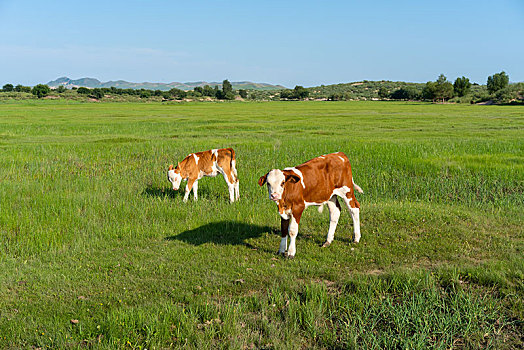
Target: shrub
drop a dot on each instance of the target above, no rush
(8, 88)
(177, 93)
(383, 93)
(507, 94)
(97, 93)
(339, 97)
(407, 93)
(21, 88)
(144, 93)
(461, 86)
(497, 82)
(83, 90)
(41, 90)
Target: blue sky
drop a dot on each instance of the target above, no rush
(282, 42)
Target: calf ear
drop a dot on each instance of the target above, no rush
(171, 167)
(292, 178)
(262, 180)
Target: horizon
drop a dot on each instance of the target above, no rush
(295, 43)
(257, 82)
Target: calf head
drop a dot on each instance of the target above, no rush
(276, 181)
(173, 176)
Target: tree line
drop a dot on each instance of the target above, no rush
(498, 89)
(225, 93)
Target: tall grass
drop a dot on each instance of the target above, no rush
(90, 230)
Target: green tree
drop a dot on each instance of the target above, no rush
(83, 90)
(383, 93)
(199, 89)
(8, 87)
(41, 90)
(300, 92)
(242, 93)
(429, 91)
(287, 94)
(217, 93)
(227, 87)
(512, 93)
(497, 82)
(21, 88)
(60, 89)
(143, 93)
(441, 89)
(180, 94)
(97, 93)
(208, 91)
(339, 96)
(405, 93)
(461, 86)
(227, 92)
(444, 88)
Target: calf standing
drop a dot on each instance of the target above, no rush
(207, 163)
(316, 182)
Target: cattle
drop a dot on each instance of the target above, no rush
(317, 182)
(207, 163)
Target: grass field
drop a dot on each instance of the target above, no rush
(90, 230)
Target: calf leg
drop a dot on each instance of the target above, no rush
(284, 229)
(355, 215)
(189, 186)
(235, 180)
(293, 232)
(354, 209)
(334, 215)
(230, 186)
(195, 189)
(237, 190)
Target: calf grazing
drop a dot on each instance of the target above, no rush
(207, 163)
(316, 182)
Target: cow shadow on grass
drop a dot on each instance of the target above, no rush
(162, 192)
(223, 232)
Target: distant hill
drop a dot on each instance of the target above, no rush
(122, 84)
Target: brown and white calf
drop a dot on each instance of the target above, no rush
(316, 182)
(207, 163)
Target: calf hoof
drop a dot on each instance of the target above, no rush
(289, 256)
(326, 244)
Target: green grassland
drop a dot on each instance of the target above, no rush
(91, 231)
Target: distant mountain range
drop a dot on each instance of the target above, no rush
(122, 84)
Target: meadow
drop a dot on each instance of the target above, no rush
(97, 251)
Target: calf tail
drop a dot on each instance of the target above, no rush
(232, 153)
(356, 187)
